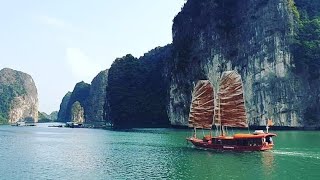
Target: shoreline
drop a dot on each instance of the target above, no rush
(277, 128)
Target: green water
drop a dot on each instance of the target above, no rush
(60, 153)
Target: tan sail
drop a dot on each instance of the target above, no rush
(202, 105)
(230, 110)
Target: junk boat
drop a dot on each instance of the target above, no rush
(227, 110)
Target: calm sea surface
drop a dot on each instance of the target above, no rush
(61, 153)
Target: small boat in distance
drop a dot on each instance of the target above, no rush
(23, 123)
(74, 125)
(19, 123)
(227, 110)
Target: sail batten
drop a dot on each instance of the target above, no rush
(202, 106)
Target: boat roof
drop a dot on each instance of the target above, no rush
(247, 136)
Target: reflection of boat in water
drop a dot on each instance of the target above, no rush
(267, 159)
(229, 111)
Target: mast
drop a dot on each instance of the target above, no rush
(220, 120)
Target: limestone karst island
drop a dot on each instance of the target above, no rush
(233, 94)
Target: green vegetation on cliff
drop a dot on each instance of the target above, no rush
(97, 99)
(80, 93)
(137, 90)
(43, 117)
(62, 114)
(9, 89)
(306, 46)
(8, 93)
(306, 52)
(77, 113)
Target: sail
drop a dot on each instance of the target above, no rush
(230, 110)
(202, 105)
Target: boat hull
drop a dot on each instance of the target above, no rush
(204, 144)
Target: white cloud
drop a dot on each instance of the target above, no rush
(59, 24)
(83, 67)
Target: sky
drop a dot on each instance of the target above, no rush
(62, 42)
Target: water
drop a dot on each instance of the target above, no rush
(61, 153)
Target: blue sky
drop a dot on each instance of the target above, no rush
(62, 42)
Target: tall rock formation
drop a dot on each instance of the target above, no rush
(77, 113)
(97, 99)
(62, 114)
(18, 97)
(137, 90)
(255, 38)
(53, 115)
(92, 99)
(44, 117)
(80, 93)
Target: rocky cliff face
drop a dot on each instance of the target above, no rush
(92, 99)
(252, 37)
(80, 93)
(18, 97)
(62, 114)
(77, 113)
(97, 98)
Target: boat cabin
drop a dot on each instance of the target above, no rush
(243, 140)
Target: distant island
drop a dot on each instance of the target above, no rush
(18, 97)
(44, 117)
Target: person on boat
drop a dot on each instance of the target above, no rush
(264, 141)
(270, 140)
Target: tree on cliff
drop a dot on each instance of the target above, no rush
(306, 52)
(137, 90)
(306, 46)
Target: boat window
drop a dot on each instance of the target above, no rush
(229, 142)
(216, 141)
(244, 142)
(269, 139)
(249, 142)
(255, 142)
